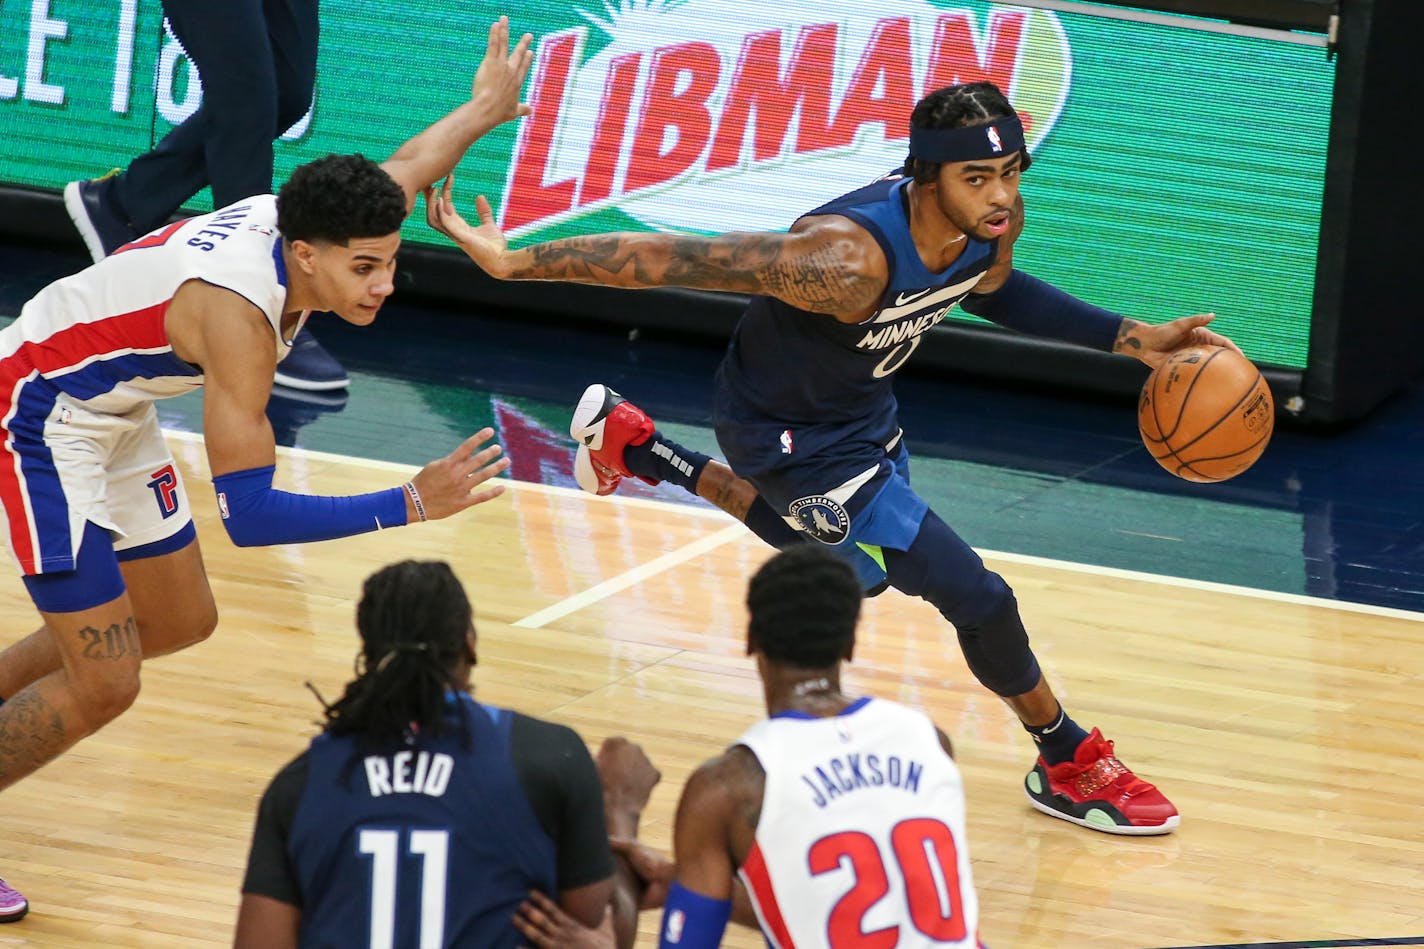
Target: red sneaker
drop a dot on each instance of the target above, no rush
(1097, 791)
(605, 423)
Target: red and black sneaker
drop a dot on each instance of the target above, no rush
(604, 423)
(1097, 791)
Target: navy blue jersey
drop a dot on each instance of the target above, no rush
(799, 383)
(433, 845)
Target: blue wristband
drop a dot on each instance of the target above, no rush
(256, 515)
(691, 920)
(1029, 305)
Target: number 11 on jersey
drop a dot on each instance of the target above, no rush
(383, 846)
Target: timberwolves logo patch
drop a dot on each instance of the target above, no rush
(822, 518)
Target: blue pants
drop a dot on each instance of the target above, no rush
(857, 518)
(887, 532)
(257, 61)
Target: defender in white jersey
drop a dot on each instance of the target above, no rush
(93, 508)
(840, 817)
(861, 830)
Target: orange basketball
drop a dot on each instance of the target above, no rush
(1206, 413)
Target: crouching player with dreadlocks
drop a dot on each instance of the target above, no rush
(420, 817)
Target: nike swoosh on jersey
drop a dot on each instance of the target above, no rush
(925, 298)
(904, 298)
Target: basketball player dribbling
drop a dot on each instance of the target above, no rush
(804, 410)
(94, 511)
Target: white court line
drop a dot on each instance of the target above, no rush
(1067, 565)
(1204, 585)
(631, 578)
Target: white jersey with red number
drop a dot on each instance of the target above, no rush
(99, 336)
(861, 833)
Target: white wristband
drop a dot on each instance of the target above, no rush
(415, 499)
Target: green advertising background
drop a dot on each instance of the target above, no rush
(1184, 174)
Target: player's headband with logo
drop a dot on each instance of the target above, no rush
(998, 139)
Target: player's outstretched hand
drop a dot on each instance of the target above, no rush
(655, 871)
(1154, 343)
(500, 76)
(485, 244)
(545, 926)
(449, 485)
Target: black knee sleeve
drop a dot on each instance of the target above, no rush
(944, 571)
(997, 650)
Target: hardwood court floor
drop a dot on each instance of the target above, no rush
(1287, 731)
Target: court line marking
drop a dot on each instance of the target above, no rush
(1207, 586)
(665, 507)
(628, 578)
(1318, 944)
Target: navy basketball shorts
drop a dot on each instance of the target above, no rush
(856, 513)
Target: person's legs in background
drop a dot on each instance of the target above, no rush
(257, 62)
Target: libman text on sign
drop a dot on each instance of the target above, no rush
(790, 102)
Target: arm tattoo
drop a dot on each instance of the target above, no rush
(582, 259)
(1127, 340)
(733, 497)
(819, 280)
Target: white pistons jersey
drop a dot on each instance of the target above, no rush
(82, 366)
(861, 839)
(99, 335)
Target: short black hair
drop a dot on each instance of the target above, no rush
(804, 604)
(961, 106)
(337, 198)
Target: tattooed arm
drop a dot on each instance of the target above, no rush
(1153, 343)
(825, 264)
(819, 268)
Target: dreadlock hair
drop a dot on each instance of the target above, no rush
(336, 198)
(804, 603)
(971, 103)
(413, 618)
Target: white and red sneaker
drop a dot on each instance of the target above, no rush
(1097, 791)
(604, 423)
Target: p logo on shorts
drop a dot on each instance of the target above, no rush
(822, 518)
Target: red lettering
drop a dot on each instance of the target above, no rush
(608, 134)
(955, 57)
(528, 198)
(757, 85)
(885, 66)
(665, 109)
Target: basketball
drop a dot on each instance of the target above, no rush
(1206, 413)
